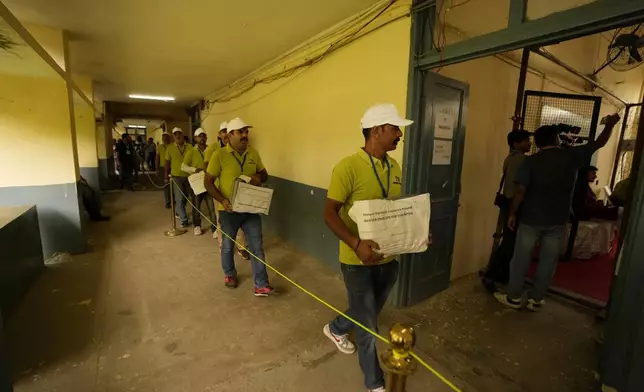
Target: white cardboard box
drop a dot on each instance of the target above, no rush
(397, 226)
(250, 198)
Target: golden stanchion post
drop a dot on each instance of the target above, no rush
(397, 361)
(174, 231)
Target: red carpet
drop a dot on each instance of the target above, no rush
(590, 278)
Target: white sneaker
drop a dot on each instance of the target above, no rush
(344, 345)
(379, 389)
(507, 301)
(214, 234)
(197, 230)
(535, 306)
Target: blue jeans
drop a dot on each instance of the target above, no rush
(251, 225)
(181, 183)
(550, 238)
(367, 288)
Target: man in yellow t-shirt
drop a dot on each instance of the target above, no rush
(216, 145)
(366, 175)
(222, 141)
(222, 137)
(226, 165)
(160, 164)
(194, 162)
(173, 160)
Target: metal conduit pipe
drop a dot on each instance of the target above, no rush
(544, 53)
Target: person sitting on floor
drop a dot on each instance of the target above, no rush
(91, 201)
(585, 205)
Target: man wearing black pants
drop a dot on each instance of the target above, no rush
(194, 162)
(125, 157)
(499, 268)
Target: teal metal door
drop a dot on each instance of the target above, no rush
(434, 160)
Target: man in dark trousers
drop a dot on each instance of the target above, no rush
(544, 190)
(499, 267)
(125, 156)
(368, 174)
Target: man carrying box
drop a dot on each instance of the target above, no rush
(227, 164)
(366, 175)
(194, 162)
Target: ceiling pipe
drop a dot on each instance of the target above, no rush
(543, 53)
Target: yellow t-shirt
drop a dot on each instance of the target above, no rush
(195, 158)
(226, 165)
(175, 155)
(211, 150)
(161, 150)
(353, 179)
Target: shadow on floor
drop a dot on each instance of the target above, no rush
(56, 320)
(496, 349)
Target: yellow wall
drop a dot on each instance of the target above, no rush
(50, 39)
(85, 125)
(35, 129)
(311, 121)
(100, 141)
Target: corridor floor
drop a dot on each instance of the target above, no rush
(142, 312)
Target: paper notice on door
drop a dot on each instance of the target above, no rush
(442, 152)
(443, 122)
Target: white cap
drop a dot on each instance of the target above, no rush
(176, 129)
(166, 133)
(237, 123)
(381, 114)
(223, 125)
(199, 131)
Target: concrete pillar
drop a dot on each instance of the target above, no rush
(86, 132)
(106, 153)
(39, 160)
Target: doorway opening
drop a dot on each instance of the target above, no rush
(137, 165)
(575, 82)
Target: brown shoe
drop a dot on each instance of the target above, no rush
(244, 254)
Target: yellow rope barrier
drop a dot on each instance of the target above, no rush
(317, 298)
(155, 185)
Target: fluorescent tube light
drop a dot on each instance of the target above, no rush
(152, 97)
(136, 126)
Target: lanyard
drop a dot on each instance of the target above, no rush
(385, 193)
(200, 153)
(242, 162)
(181, 151)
